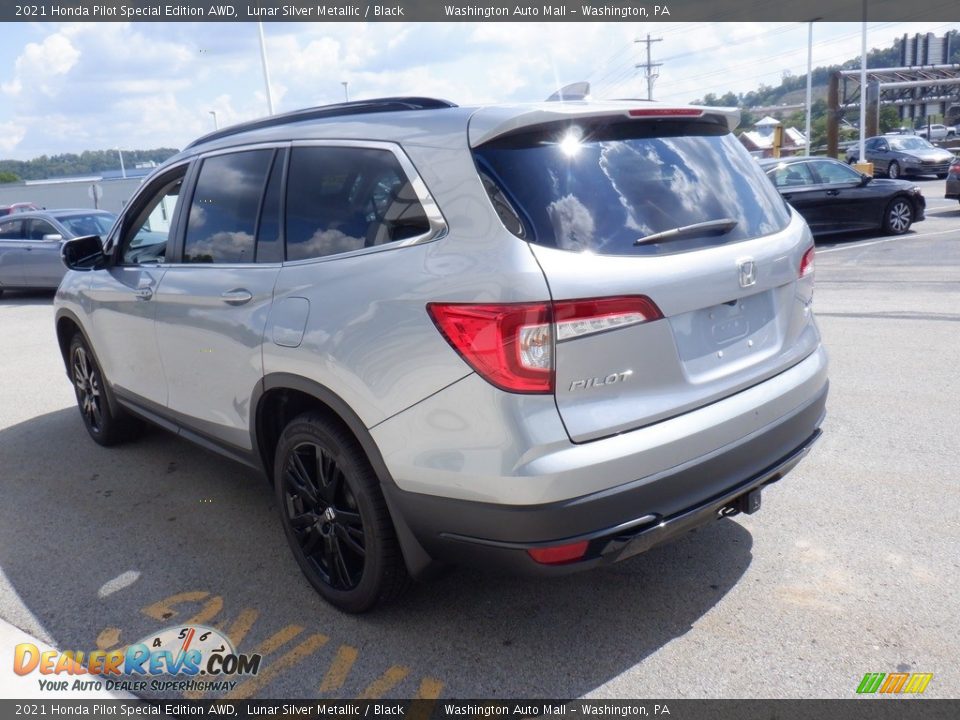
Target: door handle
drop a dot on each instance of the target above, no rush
(144, 293)
(237, 297)
(833, 192)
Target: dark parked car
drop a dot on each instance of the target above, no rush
(896, 155)
(17, 208)
(952, 191)
(833, 197)
(30, 244)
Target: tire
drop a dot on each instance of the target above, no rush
(105, 422)
(335, 517)
(893, 170)
(898, 216)
(941, 176)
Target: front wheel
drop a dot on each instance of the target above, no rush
(106, 423)
(334, 515)
(893, 170)
(898, 216)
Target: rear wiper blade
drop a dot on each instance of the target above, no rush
(720, 226)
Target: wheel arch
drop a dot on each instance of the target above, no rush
(281, 397)
(67, 324)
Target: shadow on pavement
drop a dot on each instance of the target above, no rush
(178, 522)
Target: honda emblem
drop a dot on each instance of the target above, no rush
(748, 273)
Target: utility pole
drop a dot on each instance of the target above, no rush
(649, 66)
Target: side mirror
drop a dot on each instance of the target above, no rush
(53, 236)
(865, 180)
(84, 253)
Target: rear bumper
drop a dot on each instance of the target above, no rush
(617, 523)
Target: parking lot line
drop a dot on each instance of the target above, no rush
(867, 243)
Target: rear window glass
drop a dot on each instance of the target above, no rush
(599, 187)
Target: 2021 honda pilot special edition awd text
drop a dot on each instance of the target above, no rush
(543, 337)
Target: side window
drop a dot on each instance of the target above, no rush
(223, 214)
(145, 238)
(11, 230)
(343, 199)
(36, 229)
(836, 173)
(792, 175)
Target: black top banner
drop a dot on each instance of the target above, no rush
(483, 10)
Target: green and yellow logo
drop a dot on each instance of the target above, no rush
(894, 683)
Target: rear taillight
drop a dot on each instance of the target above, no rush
(512, 345)
(806, 264)
(955, 167)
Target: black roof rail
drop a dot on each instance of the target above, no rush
(344, 109)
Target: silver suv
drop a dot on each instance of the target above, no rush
(544, 337)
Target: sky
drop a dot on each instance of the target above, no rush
(69, 87)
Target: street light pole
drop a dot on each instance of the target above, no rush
(216, 125)
(809, 83)
(123, 170)
(266, 68)
(863, 83)
(346, 95)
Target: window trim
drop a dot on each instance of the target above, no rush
(146, 192)
(438, 224)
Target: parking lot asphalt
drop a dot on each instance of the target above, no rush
(851, 566)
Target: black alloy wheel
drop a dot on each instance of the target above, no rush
(106, 422)
(324, 516)
(334, 515)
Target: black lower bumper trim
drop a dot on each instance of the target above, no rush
(620, 522)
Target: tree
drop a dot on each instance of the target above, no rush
(889, 118)
(8, 177)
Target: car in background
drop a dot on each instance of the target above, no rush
(18, 208)
(936, 132)
(833, 197)
(30, 244)
(903, 155)
(952, 190)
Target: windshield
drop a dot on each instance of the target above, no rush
(599, 187)
(90, 224)
(910, 143)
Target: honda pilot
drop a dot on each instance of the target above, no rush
(540, 337)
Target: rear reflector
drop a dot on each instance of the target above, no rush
(511, 345)
(559, 554)
(806, 264)
(665, 112)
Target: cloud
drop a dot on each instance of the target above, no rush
(40, 63)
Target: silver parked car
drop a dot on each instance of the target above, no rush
(544, 337)
(30, 244)
(902, 155)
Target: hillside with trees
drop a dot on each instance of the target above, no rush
(89, 162)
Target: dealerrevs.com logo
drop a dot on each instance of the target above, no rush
(175, 653)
